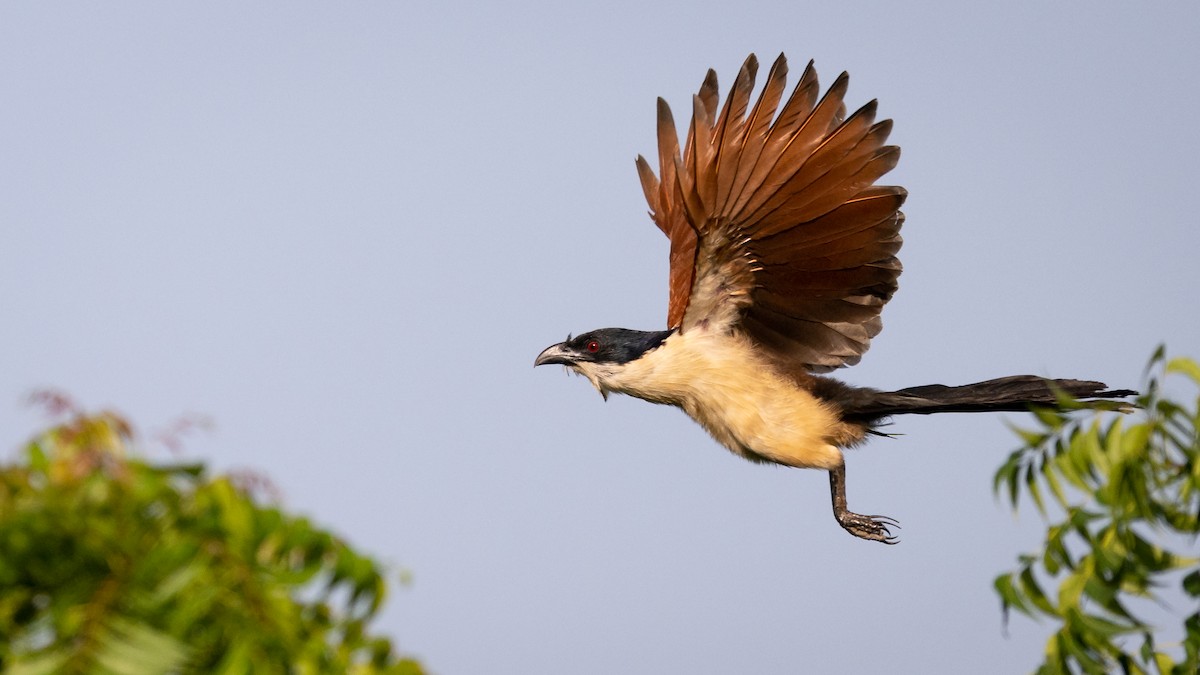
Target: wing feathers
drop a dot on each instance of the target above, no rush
(668, 213)
(819, 346)
(786, 149)
(798, 106)
(756, 129)
(650, 187)
(775, 223)
(703, 154)
(704, 110)
(728, 137)
(859, 220)
(829, 190)
(668, 145)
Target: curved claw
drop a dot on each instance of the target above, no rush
(873, 528)
(886, 520)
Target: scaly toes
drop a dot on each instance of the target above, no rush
(874, 528)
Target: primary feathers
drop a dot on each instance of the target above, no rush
(774, 219)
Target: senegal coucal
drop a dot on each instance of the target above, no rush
(783, 253)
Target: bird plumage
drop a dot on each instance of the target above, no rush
(774, 219)
(782, 256)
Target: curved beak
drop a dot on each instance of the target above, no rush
(554, 354)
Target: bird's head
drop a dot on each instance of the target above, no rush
(601, 355)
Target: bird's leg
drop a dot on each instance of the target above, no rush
(874, 528)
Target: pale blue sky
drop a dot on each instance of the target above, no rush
(344, 231)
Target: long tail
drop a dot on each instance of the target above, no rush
(1016, 393)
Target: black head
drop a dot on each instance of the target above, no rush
(606, 345)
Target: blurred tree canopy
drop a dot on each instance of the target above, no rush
(115, 565)
(1128, 492)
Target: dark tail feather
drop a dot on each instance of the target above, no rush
(1016, 393)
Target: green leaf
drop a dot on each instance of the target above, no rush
(1006, 472)
(1035, 492)
(1191, 583)
(47, 663)
(132, 648)
(236, 661)
(1184, 366)
(37, 457)
(1071, 590)
(1047, 416)
(1009, 596)
(1050, 471)
(1074, 645)
(1104, 628)
(1033, 592)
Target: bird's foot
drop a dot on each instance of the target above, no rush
(874, 528)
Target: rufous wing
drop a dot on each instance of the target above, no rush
(775, 222)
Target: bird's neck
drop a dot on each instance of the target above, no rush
(673, 371)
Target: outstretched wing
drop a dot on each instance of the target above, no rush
(774, 220)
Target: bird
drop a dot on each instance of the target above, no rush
(782, 256)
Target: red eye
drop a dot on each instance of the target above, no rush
(593, 346)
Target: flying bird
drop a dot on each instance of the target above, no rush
(782, 256)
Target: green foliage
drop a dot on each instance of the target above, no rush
(110, 564)
(1127, 490)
